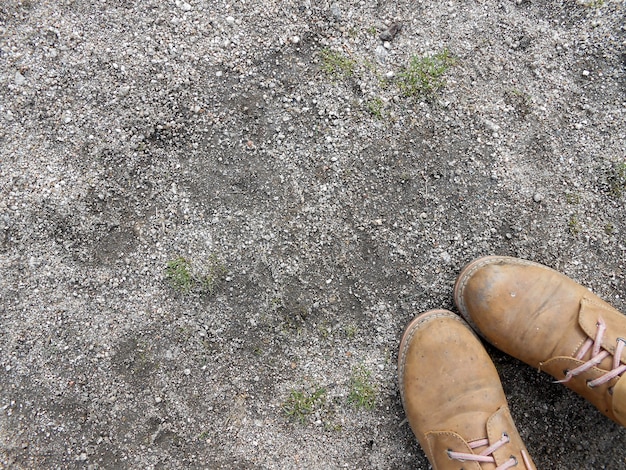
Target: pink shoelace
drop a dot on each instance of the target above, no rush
(485, 455)
(598, 354)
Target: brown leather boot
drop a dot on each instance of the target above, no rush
(550, 322)
(453, 398)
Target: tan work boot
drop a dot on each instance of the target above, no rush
(453, 398)
(550, 322)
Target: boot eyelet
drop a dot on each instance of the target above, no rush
(514, 459)
(565, 372)
(610, 390)
(506, 435)
(588, 382)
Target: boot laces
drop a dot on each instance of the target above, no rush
(598, 354)
(485, 455)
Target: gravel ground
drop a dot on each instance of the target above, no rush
(216, 218)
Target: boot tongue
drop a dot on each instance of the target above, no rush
(619, 400)
(591, 311)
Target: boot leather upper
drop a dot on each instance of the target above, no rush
(452, 394)
(542, 317)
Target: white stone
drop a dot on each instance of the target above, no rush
(381, 54)
(19, 79)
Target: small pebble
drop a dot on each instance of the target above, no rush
(295, 39)
(538, 197)
(19, 79)
(387, 45)
(230, 20)
(492, 126)
(381, 54)
(158, 399)
(335, 10)
(390, 33)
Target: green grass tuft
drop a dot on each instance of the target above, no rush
(423, 77)
(182, 278)
(363, 392)
(300, 405)
(178, 273)
(617, 180)
(594, 3)
(350, 331)
(337, 64)
(572, 198)
(375, 107)
(573, 225)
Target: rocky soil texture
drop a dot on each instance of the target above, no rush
(217, 217)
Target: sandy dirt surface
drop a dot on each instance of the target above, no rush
(217, 217)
